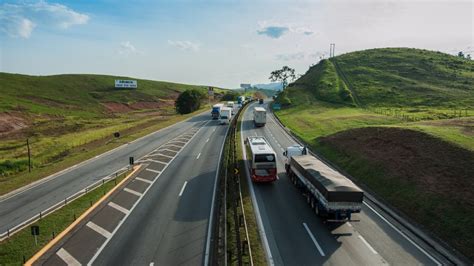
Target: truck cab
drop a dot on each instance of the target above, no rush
(294, 150)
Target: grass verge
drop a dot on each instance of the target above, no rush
(21, 246)
(87, 151)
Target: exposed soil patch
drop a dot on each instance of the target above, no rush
(125, 108)
(11, 122)
(49, 102)
(466, 124)
(431, 164)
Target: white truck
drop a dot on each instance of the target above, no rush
(259, 116)
(225, 115)
(331, 195)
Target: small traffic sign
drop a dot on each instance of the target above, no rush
(236, 171)
(35, 230)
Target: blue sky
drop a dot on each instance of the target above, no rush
(222, 43)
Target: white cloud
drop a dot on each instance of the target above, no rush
(127, 48)
(185, 45)
(19, 20)
(276, 30)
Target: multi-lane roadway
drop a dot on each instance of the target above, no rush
(296, 236)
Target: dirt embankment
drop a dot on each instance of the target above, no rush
(433, 165)
(11, 122)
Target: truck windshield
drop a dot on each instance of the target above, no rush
(263, 158)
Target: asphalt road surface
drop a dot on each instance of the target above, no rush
(23, 205)
(296, 236)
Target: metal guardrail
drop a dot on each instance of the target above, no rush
(11, 231)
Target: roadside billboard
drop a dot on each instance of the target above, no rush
(122, 83)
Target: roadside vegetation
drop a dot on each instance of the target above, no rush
(401, 122)
(70, 118)
(21, 246)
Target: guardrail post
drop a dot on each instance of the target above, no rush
(41, 215)
(65, 201)
(8, 232)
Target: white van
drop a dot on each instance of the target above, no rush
(225, 115)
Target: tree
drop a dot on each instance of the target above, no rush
(283, 75)
(188, 101)
(230, 96)
(461, 54)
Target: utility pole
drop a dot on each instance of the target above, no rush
(29, 155)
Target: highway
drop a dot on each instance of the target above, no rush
(22, 205)
(296, 236)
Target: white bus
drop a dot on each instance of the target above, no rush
(263, 160)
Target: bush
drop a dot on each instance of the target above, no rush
(188, 101)
(230, 96)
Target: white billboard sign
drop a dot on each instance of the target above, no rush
(120, 83)
(245, 86)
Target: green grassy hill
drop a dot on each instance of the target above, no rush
(395, 77)
(69, 118)
(78, 95)
(397, 120)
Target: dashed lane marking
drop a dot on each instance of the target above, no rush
(314, 240)
(99, 229)
(207, 140)
(144, 180)
(182, 189)
(67, 258)
(153, 170)
(118, 207)
(136, 193)
(198, 156)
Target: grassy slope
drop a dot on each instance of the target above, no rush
(67, 119)
(405, 88)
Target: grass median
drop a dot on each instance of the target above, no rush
(21, 246)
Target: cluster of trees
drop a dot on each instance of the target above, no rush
(462, 55)
(189, 101)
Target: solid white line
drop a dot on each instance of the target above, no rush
(153, 170)
(198, 156)
(132, 192)
(67, 258)
(314, 240)
(156, 161)
(99, 229)
(368, 245)
(211, 212)
(182, 189)
(403, 234)
(118, 207)
(144, 180)
(131, 209)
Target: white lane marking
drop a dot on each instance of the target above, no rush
(153, 170)
(144, 180)
(174, 141)
(152, 264)
(198, 156)
(403, 234)
(213, 130)
(67, 258)
(132, 192)
(314, 240)
(349, 224)
(99, 229)
(168, 150)
(131, 209)
(118, 207)
(207, 140)
(211, 212)
(182, 189)
(368, 245)
(160, 154)
(172, 145)
(282, 149)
